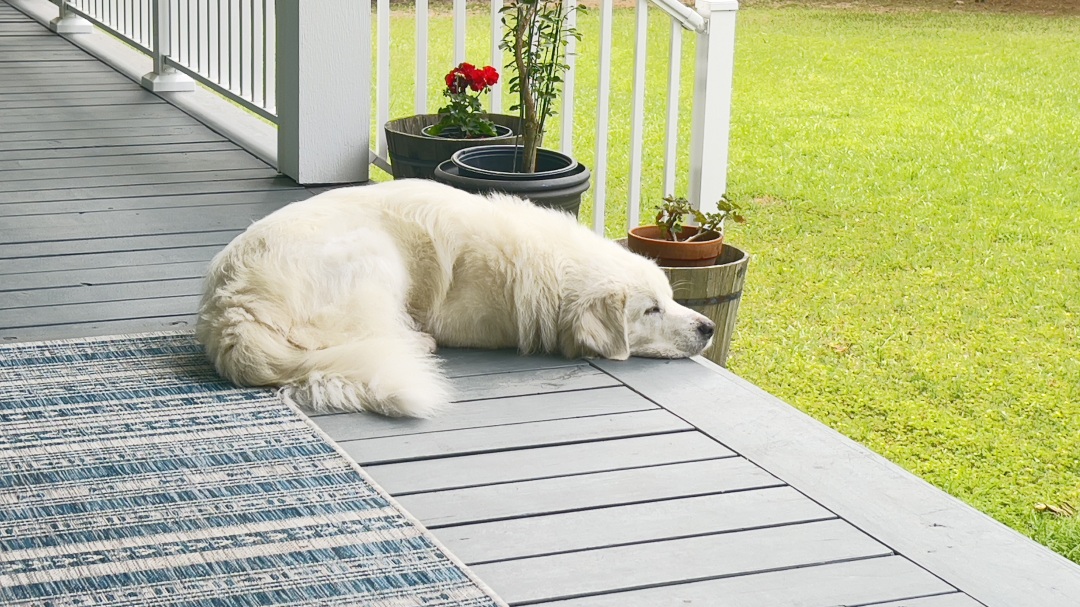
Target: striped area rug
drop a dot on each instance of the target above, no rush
(131, 475)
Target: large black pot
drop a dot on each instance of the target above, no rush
(558, 182)
(414, 154)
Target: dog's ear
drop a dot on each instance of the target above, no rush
(598, 325)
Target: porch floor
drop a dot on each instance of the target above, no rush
(562, 482)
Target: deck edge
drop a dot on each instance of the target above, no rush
(979, 555)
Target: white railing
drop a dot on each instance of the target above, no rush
(713, 21)
(231, 47)
(227, 45)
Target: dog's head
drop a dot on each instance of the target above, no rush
(628, 310)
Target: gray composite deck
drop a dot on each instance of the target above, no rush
(575, 483)
(111, 200)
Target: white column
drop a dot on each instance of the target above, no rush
(70, 23)
(711, 122)
(164, 78)
(324, 90)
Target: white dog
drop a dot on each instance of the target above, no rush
(340, 299)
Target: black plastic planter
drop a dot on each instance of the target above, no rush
(558, 182)
(415, 155)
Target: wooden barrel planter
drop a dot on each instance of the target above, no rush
(714, 291)
(413, 154)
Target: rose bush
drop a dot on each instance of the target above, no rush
(461, 117)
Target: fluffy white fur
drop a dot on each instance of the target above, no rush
(341, 299)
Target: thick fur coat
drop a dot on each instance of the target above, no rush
(342, 298)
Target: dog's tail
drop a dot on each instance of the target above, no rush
(393, 374)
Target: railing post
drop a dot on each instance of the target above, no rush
(164, 78)
(70, 23)
(324, 90)
(711, 121)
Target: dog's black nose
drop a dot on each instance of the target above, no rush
(706, 328)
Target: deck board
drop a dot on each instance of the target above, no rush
(83, 294)
(75, 154)
(562, 482)
(859, 582)
(345, 427)
(81, 100)
(553, 495)
(490, 439)
(638, 523)
(664, 562)
(545, 462)
(94, 261)
(224, 182)
(143, 203)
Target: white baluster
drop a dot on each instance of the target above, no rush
(603, 108)
(671, 135)
(637, 124)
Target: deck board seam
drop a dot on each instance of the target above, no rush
(563, 475)
(100, 238)
(682, 536)
(563, 391)
(917, 597)
(482, 451)
(689, 429)
(103, 238)
(619, 504)
(691, 580)
(100, 301)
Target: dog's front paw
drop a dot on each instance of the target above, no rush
(428, 342)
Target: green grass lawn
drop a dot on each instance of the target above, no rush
(913, 181)
(915, 184)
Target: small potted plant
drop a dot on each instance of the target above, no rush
(536, 34)
(417, 144)
(463, 117)
(676, 245)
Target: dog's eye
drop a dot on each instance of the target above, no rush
(652, 310)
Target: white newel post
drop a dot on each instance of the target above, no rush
(70, 23)
(164, 78)
(711, 122)
(323, 90)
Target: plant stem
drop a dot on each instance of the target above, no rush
(527, 111)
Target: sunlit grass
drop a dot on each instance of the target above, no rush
(915, 180)
(914, 185)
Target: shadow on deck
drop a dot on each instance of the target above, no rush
(571, 482)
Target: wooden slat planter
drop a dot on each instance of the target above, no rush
(413, 154)
(714, 291)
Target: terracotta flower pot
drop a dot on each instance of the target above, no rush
(648, 241)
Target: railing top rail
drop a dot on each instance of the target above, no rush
(686, 16)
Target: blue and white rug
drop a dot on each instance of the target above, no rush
(131, 475)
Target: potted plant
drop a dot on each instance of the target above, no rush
(676, 245)
(705, 274)
(417, 144)
(536, 33)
